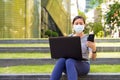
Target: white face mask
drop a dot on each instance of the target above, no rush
(78, 28)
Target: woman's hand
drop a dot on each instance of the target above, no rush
(92, 45)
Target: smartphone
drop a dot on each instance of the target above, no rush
(91, 37)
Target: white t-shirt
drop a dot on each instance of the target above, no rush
(85, 49)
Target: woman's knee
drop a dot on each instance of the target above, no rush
(61, 60)
(83, 68)
(70, 61)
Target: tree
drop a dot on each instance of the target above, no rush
(112, 17)
(96, 3)
(80, 13)
(96, 27)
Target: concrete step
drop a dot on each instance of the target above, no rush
(90, 76)
(43, 61)
(47, 49)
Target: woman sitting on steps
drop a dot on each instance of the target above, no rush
(73, 68)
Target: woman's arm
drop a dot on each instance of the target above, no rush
(93, 56)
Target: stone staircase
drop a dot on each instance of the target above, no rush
(43, 61)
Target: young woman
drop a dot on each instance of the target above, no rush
(73, 68)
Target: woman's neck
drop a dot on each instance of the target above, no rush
(79, 34)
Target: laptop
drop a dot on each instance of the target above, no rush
(65, 47)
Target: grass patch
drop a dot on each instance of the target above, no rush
(47, 55)
(105, 68)
(27, 69)
(108, 55)
(24, 45)
(24, 55)
(49, 68)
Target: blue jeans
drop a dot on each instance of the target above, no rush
(71, 67)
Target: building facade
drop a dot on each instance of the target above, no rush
(32, 18)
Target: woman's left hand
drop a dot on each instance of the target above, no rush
(92, 45)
